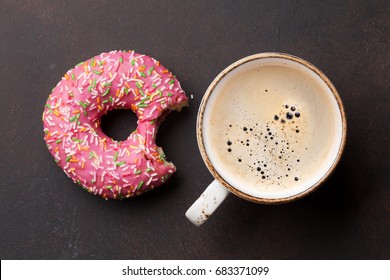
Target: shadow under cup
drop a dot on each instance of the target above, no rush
(271, 128)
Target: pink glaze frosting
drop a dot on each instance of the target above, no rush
(71, 119)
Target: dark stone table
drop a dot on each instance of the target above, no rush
(45, 216)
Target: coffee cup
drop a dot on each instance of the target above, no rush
(271, 129)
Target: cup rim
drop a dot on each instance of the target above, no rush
(200, 117)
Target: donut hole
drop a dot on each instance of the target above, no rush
(118, 124)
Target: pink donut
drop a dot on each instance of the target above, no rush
(71, 119)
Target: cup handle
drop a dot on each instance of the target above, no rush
(207, 203)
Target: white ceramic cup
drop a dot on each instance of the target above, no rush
(323, 165)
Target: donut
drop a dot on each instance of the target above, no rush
(72, 131)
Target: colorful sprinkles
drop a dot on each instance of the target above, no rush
(71, 118)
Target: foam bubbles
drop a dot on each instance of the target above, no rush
(277, 162)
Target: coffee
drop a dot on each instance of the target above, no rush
(272, 129)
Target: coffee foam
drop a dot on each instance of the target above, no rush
(272, 129)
